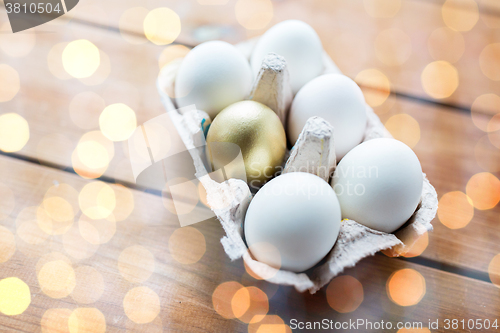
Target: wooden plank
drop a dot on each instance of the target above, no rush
(185, 290)
(349, 34)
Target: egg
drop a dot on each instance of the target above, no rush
(379, 184)
(337, 99)
(212, 76)
(293, 221)
(299, 44)
(257, 131)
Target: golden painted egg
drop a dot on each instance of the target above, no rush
(259, 134)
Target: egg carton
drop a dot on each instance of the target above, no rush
(314, 148)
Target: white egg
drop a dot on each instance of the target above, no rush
(298, 215)
(337, 99)
(299, 44)
(379, 184)
(212, 76)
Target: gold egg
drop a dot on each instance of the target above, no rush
(254, 129)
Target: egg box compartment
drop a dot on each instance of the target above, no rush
(314, 147)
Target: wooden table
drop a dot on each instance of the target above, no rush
(140, 272)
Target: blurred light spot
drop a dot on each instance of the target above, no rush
(76, 246)
(489, 60)
(141, 305)
(136, 264)
(405, 128)
(222, 298)
(97, 200)
(171, 53)
(345, 294)
(494, 137)
(57, 279)
(418, 247)
(50, 225)
(84, 171)
(162, 26)
(202, 194)
(484, 190)
(117, 122)
(58, 209)
(8, 201)
(213, 2)
(187, 245)
(81, 58)
(406, 287)
(16, 45)
(269, 254)
(89, 285)
(455, 210)
(182, 188)
(55, 321)
(254, 14)
(487, 155)
(440, 79)
(9, 83)
(414, 330)
(102, 72)
(97, 231)
(382, 8)
(460, 15)
(14, 130)
(494, 270)
(446, 44)
(85, 108)
(483, 109)
(92, 154)
(54, 62)
(15, 296)
(488, 13)
(156, 326)
(7, 244)
(257, 308)
(132, 20)
(378, 86)
(87, 320)
(56, 148)
(65, 191)
(393, 47)
(270, 324)
(124, 202)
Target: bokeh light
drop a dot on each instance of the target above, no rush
(65, 191)
(15, 296)
(345, 294)
(93, 154)
(377, 84)
(250, 305)
(382, 8)
(98, 231)
(102, 72)
(270, 324)
(494, 137)
(136, 264)
(171, 53)
(117, 122)
(489, 60)
(446, 44)
(393, 47)
(440, 79)
(14, 131)
(406, 287)
(405, 128)
(484, 190)
(418, 247)
(460, 15)
(494, 270)
(162, 26)
(254, 14)
(57, 278)
(187, 245)
(132, 21)
(483, 109)
(56, 321)
(487, 155)
(16, 45)
(97, 200)
(60, 221)
(455, 210)
(55, 63)
(7, 244)
(87, 320)
(141, 305)
(124, 202)
(222, 298)
(80, 58)
(8, 201)
(9, 83)
(89, 285)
